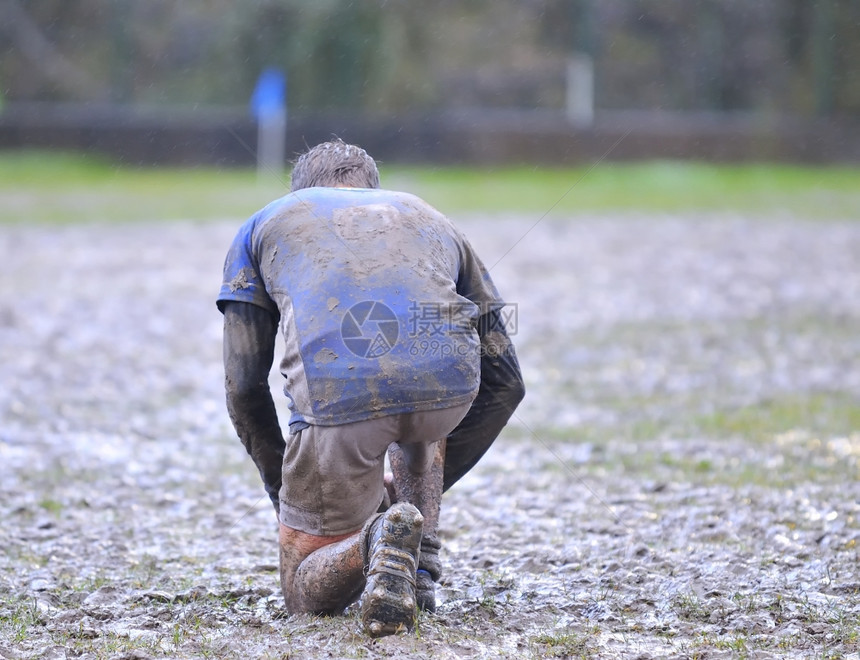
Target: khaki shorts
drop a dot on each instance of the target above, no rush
(333, 475)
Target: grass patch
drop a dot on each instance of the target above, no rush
(17, 617)
(63, 188)
(563, 645)
(826, 414)
(70, 189)
(809, 438)
(651, 187)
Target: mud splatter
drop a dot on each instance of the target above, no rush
(240, 281)
(325, 356)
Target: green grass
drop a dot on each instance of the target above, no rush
(647, 187)
(830, 415)
(67, 188)
(52, 187)
(563, 645)
(808, 438)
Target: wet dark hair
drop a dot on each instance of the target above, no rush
(333, 164)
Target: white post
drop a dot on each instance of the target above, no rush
(271, 143)
(580, 90)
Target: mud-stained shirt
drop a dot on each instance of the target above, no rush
(378, 296)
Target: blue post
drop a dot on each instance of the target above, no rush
(269, 107)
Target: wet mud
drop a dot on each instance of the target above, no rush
(680, 481)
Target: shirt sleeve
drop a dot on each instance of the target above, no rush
(474, 281)
(242, 280)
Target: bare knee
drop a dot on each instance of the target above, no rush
(295, 547)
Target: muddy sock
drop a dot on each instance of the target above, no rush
(429, 571)
(429, 559)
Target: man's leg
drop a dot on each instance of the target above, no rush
(331, 537)
(417, 465)
(323, 516)
(320, 574)
(417, 471)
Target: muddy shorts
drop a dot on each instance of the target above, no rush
(333, 475)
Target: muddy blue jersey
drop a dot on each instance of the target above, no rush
(378, 296)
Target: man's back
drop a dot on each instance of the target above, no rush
(378, 294)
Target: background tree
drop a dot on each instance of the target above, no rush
(384, 56)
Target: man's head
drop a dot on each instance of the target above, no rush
(335, 164)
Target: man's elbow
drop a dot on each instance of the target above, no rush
(245, 393)
(509, 391)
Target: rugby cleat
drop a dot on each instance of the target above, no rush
(388, 602)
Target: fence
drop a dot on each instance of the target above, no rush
(227, 137)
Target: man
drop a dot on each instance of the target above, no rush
(393, 343)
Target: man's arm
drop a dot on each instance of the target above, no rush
(500, 392)
(249, 346)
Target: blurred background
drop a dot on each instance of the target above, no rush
(552, 82)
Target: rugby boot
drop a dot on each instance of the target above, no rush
(388, 601)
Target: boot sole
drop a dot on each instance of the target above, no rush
(388, 602)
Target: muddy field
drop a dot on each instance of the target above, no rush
(681, 480)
